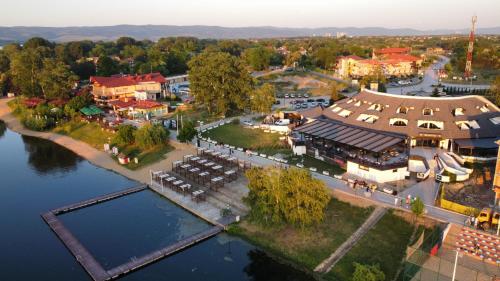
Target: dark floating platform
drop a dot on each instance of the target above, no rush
(91, 265)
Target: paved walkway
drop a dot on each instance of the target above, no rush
(329, 263)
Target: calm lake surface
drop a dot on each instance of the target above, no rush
(38, 175)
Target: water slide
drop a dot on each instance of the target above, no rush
(451, 165)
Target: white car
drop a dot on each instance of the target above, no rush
(306, 95)
(247, 123)
(292, 96)
(286, 96)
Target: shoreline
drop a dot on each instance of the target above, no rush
(101, 159)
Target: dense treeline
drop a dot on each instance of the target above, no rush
(39, 67)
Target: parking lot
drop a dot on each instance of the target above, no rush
(300, 102)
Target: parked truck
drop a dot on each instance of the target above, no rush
(487, 218)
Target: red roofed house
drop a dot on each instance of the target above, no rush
(138, 108)
(117, 87)
(393, 62)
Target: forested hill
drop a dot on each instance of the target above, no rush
(153, 32)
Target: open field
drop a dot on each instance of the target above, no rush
(385, 245)
(306, 248)
(254, 139)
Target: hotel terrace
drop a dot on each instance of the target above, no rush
(372, 134)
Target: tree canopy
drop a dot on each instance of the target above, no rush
(285, 196)
(263, 98)
(187, 132)
(149, 136)
(220, 82)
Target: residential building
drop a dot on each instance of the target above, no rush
(372, 134)
(391, 62)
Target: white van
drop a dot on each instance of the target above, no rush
(282, 122)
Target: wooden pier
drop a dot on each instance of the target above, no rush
(162, 253)
(97, 200)
(90, 264)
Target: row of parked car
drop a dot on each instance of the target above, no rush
(299, 104)
(292, 96)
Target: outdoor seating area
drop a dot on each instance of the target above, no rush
(209, 168)
(479, 245)
(166, 180)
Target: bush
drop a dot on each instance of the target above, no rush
(151, 135)
(367, 273)
(235, 121)
(125, 134)
(38, 123)
(187, 132)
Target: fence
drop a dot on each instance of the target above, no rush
(435, 261)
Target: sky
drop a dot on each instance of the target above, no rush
(418, 14)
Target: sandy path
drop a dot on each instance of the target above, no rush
(95, 156)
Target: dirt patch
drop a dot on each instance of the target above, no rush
(302, 82)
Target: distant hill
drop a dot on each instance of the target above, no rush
(153, 32)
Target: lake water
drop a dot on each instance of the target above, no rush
(38, 175)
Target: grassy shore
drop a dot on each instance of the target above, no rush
(306, 248)
(92, 134)
(385, 244)
(254, 139)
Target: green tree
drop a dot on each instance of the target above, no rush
(258, 58)
(56, 79)
(125, 134)
(25, 69)
(187, 132)
(106, 66)
(290, 196)
(35, 42)
(220, 82)
(417, 207)
(149, 136)
(263, 98)
(367, 273)
(334, 91)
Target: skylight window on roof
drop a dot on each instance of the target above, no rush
(484, 108)
(367, 118)
(398, 122)
(345, 113)
(358, 103)
(431, 125)
(459, 111)
(467, 125)
(495, 120)
(336, 109)
(376, 106)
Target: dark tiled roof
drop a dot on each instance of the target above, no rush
(442, 111)
(351, 135)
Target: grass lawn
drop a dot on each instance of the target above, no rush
(309, 162)
(254, 139)
(306, 248)
(90, 133)
(145, 157)
(385, 244)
